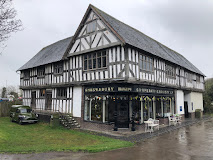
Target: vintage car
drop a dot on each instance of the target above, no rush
(23, 114)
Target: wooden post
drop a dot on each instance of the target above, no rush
(162, 107)
(104, 105)
(141, 109)
(154, 107)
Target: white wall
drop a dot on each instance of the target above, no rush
(197, 100)
(77, 97)
(179, 101)
(187, 97)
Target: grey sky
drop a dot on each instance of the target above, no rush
(184, 26)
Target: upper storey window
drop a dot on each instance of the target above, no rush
(189, 77)
(170, 71)
(41, 71)
(91, 27)
(27, 74)
(197, 78)
(95, 60)
(146, 63)
(58, 68)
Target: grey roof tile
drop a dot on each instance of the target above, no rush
(49, 54)
(137, 39)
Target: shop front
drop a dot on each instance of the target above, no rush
(121, 103)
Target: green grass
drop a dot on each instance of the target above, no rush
(15, 138)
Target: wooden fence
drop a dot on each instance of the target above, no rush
(5, 107)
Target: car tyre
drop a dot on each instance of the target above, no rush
(20, 122)
(11, 119)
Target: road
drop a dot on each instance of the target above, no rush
(188, 143)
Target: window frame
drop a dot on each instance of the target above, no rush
(58, 68)
(145, 61)
(61, 93)
(26, 74)
(42, 93)
(41, 69)
(90, 28)
(198, 78)
(170, 71)
(95, 57)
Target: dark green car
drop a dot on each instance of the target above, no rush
(23, 114)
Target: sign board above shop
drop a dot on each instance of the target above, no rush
(118, 88)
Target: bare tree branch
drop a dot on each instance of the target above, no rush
(8, 21)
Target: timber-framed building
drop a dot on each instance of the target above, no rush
(110, 72)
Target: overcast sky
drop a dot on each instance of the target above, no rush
(185, 26)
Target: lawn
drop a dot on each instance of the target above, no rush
(40, 137)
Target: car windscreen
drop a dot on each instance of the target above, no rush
(25, 110)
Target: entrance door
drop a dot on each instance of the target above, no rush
(186, 111)
(48, 100)
(123, 111)
(33, 100)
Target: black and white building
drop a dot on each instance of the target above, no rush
(109, 71)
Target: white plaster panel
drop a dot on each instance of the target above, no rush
(179, 101)
(77, 97)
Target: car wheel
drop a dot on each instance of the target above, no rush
(20, 122)
(11, 119)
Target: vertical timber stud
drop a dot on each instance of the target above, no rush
(126, 62)
(154, 107)
(162, 106)
(115, 114)
(142, 102)
(133, 117)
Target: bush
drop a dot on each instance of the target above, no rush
(198, 113)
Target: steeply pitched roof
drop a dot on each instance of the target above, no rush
(137, 39)
(49, 54)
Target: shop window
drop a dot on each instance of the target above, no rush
(41, 71)
(96, 60)
(164, 107)
(91, 27)
(27, 74)
(58, 68)
(146, 63)
(99, 108)
(42, 93)
(170, 71)
(62, 93)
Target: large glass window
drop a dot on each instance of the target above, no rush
(95, 60)
(164, 107)
(146, 63)
(99, 108)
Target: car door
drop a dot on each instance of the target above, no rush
(16, 115)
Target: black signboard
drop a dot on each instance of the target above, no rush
(118, 88)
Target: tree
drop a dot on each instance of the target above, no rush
(15, 94)
(8, 21)
(3, 93)
(208, 96)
